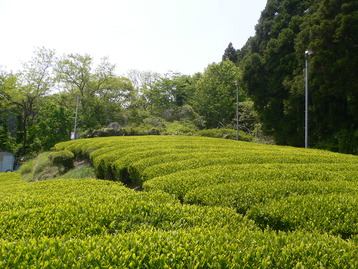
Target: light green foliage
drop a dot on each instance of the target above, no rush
(245, 194)
(299, 206)
(36, 82)
(334, 213)
(83, 207)
(177, 127)
(88, 223)
(189, 248)
(181, 182)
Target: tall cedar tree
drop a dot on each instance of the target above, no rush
(230, 53)
(273, 63)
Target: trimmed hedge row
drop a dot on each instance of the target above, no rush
(333, 213)
(247, 194)
(179, 183)
(183, 248)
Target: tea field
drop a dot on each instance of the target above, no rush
(205, 203)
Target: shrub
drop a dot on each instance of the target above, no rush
(62, 159)
(177, 127)
(225, 133)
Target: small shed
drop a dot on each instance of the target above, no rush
(7, 160)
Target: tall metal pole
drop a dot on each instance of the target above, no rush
(307, 54)
(237, 111)
(75, 130)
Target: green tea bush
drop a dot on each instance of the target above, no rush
(99, 146)
(182, 181)
(182, 248)
(219, 159)
(8, 180)
(138, 169)
(333, 213)
(246, 194)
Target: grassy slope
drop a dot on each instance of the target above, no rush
(40, 168)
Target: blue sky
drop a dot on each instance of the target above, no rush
(147, 35)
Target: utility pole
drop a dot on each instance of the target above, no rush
(307, 54)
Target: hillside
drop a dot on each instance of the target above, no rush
(206, 203)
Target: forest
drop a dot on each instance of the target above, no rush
(266, 76)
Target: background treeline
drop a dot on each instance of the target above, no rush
(273, 63)
(38, 104)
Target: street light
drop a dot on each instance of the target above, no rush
(237, 110)
(74, 134)
(307, 54)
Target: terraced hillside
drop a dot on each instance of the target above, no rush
(206, 203)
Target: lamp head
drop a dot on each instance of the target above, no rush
(308, 53)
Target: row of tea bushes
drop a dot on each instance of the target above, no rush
(183, 181)
(246, 194)
(288, 205)
(88, 223)
(333, 213)
(152, 156)
(182, 248)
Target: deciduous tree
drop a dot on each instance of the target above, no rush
(35, 82)
(215, 94)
